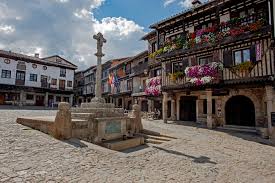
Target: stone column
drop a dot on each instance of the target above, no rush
(98, 91)
(209, 109)
(71, 99)
(150, 106)
(269, 102)
(46, 99)
(164, 106)
(63, 123)
(173, 109)
(178, 108)
(21, 99)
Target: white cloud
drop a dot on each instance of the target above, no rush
(168, 2)
(82, 13)
(117, 26)
(6, 29)
(67, 29)
(186, 3)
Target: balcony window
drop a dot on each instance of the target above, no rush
(154, 47)
(33, 77)
(62, 72)
(54, 82)
(62, 84)
(6, 74)
(242, 56)
(129, 85)
(205, 60)
(157, 72)
(69, 84)
(178, 67)
(20, 75)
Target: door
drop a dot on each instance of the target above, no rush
(240, 110)
(39, 100)
(2, 99)
(188, 109)
(20, 78)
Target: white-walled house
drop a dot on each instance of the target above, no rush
(27, 80)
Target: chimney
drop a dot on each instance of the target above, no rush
(196, 3)
(36, 55)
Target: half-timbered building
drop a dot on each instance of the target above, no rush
(217, 63)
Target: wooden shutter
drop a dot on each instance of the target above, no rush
(227, 58)
(193, 61)
(168, 67)
(253, 53)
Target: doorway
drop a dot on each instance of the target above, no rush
(240, 110)
(188, 109)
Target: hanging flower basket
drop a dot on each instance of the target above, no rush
(203, 74)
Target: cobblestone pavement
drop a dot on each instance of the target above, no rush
(198, 155)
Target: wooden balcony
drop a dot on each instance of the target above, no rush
(19, 82)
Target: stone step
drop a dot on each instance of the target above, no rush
(238, 128)
(160, 138)
(153, 141)
(120, 144)
(84, 116)
(78, 120)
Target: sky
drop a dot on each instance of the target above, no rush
(66, 27)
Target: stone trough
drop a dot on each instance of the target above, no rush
(95, 122)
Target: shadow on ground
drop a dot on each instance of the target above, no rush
(249, 136)
(200, 160)
(76, 143)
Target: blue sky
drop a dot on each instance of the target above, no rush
(66, 27)
(143, 12)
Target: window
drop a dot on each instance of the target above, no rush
(242, 56)
(205, 60)
(29, 97)
(62, 84)
(6, 74)
(62, 72)
(178, 67)
(129, 85)
(157, 72)
(33, 77)
(20, 75)
(154, 45)
(69, 83)
(54, 82)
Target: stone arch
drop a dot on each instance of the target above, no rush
(250, 95)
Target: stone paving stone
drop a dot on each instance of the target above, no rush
(198, 155)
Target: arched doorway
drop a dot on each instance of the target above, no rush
(240, 110)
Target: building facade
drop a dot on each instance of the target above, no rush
(217, 63)
(89, 83)
(27, 80)
(79, 88)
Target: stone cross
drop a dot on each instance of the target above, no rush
(100, 40)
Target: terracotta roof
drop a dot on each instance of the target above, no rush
(44, 61)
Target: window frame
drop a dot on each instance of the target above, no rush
(5, 74)
(208, 57)
(242, 55)
(33, 77)
(69, 84)
(54, 82)
(62, 72)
